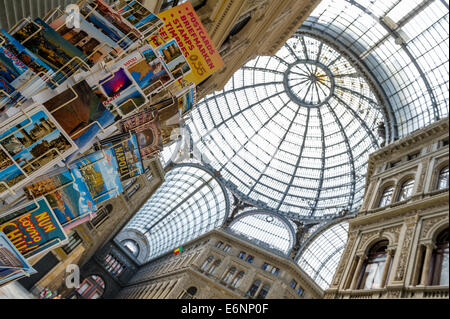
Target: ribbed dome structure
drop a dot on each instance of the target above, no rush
(293, 131)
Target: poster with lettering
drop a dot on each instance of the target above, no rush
(33, 228)
(13, 265)
(100, 172)
(126, 150)
(183, 24)
(67, 194)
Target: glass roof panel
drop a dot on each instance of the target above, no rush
(321, 257)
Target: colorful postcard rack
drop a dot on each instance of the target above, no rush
(33, 228)
(30, 143)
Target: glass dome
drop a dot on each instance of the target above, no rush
(292, 131)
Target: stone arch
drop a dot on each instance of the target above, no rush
(375, 238)
(441, 163)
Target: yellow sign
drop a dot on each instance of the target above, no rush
(183, 25)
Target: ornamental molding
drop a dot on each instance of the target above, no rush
(404, 253)
(430, 224)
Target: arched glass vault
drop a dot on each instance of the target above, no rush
(189, 203)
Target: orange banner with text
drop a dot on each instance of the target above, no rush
(183, 25)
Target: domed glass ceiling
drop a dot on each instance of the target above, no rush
(293, 131)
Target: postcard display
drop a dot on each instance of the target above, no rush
(81, 110)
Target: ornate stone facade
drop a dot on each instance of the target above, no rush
(409, 225)
(177, 276)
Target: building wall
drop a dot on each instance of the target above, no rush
(171, 276)
(410, 225)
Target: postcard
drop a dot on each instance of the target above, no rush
(34, 143)
(8, 95)
(117, 20)
(10, 172)
(148, 132)
(150, 73)
(140, 17)
(12, 258)
(56, 51)
(122, 92)
(90, 40)
(186, 101)
(81, 113)
(33, 228)
(66, 193)
(106, 27)
(100, 172)
(31, 60)
(19, 76)
(175, 60)
(126, 151)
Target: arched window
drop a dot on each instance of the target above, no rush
(386, 196)
(406, 190)
(207, 262)
(92, 287)
(189, 293)
(214, 266)
(237, 279)
(442, 182)
(132, 246)
(263, 292)
(372, 272)
(254, 288)
(229, 274)
(439, 266)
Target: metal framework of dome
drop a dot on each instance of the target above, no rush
(292, 131)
